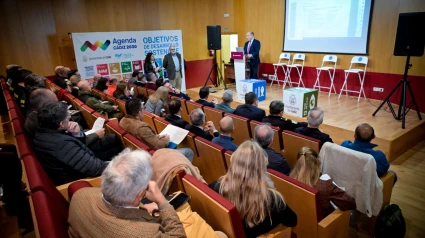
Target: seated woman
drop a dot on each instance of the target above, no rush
(102, 85)
(157, 101)
(248, 187)
(122, 92)
(307, 170)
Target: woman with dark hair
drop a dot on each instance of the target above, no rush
(102, 85)
(122, 92)
(151, 66)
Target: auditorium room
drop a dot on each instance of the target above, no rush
(212, 118)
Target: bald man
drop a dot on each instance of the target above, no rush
(225, 139)
(363, 136)
(252, 51)
(315, 119)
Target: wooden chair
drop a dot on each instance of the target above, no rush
(68, 99)
(110, 99)
(189, 142)
(121, 106)
(242, 132)
(142, 91)
(133, 143)
(184, 114)
(114, 128)
(76, 104)
(177, 183)
(160, 124)
(213, 115)
(309, 213)
(148, 118)
(192, 106)
(87, 114)
(211, 162)
(293, 142)
(227, 156)
(277, 138)
(99, 94)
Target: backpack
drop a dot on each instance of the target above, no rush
(390, 223)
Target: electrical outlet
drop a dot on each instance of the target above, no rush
(265, 75)
(271, 77)
(376, 89)
(226, 14)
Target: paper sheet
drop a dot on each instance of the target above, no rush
(98, 124)
(176, 134)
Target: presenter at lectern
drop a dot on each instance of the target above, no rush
(252, 54)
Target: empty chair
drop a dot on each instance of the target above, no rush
(211, 162)
(361, 72)
(284, 59)
(214, 115)
(297, 63)
(329, 65)
(242, 131)
(133, 143)
(293, 142)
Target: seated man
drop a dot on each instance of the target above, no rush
(203, 94)
(197, 117)
(225, 105)
(61, 76)
(73, 87)
(362, 142)
(175, 91)
(263, 134)
(175, 118)
(86, 96)
(275, 118)
(151, 84)
(59, 149)
(132, 123)
(314, 118)
(137, 78)
(96, 78)
(250, 109)
(225, 139)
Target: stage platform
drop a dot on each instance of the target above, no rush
(343, 115)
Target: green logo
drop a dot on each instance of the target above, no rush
(126, 67)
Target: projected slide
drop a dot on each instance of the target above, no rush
(332, 26)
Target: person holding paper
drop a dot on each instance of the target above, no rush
(132, 123)
(252, 53)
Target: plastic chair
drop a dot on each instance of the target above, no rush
(299, 67)
(281, 63)
(327, 61)
(361, 72)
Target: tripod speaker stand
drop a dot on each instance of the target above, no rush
(219, 77)
(409, 42)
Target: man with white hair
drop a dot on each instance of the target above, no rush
(96, 78)
(225, 105)
(314, 118)
(62, 76)
(197, 117)
(115, 209)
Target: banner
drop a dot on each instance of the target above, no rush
(118, 54)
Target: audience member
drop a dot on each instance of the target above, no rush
(173, 64)
(250, 109)
(58, 148)
(175, 92)
(32, 82)
(175, 118)
(132, 123)
(307, 171)
(74, 79)
(151, 84)
(314, 118)
(112, 86)
(275, 118)
(102, 85)
(159, 82)
(363, 136)
(225, 105)
(263, 134)
(137, 78)
(225, 139)
(19, 93)
(150, 66)
(122, 92)
(197, 117)
(86, 96)
(157, 101)
(72, 73)
(115, 209)
(203, 94)
(62, 76)
(246, 185)
(96, 78)
(12, 75)
(37, 99)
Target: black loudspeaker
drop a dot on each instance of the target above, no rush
(214, 37)
(410, 39)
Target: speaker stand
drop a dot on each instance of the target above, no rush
(219, 77)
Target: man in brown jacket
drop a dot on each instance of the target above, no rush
(114, 209)
(132, 123)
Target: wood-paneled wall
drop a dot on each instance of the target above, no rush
(35, 32)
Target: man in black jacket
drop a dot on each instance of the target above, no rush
(61, 76)
(314, 118)
(197, 117)
(250, 109)
(204, 92)
(263, 134)
(275, 118)
(59, 149)
(175, 107)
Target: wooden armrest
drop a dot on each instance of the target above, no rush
(63, 189)
(278, 231)
(388, 181)
(335, 224)
(115, 120)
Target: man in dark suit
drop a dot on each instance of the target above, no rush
(252, 51)
(197, 117)
(204, 92)
(175, 107)
(250, 109)
(173, 64)
(315, 118)
(275, 118)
